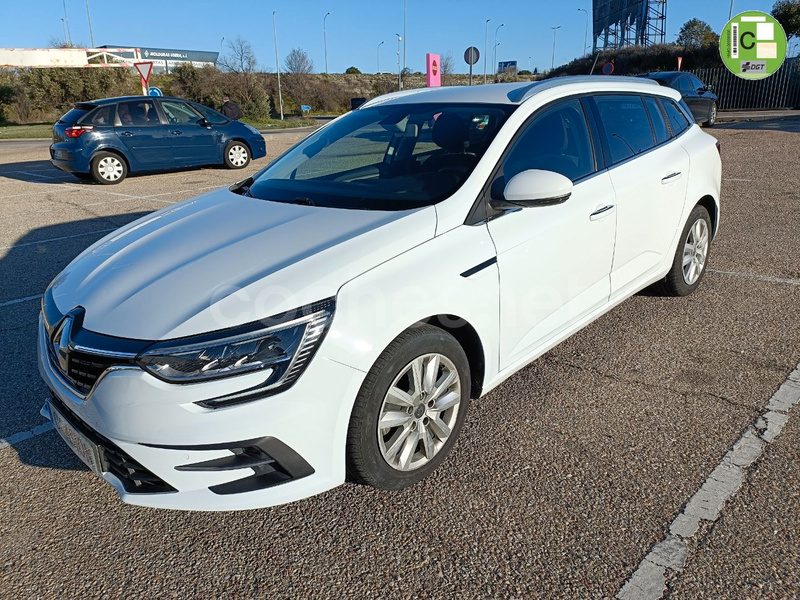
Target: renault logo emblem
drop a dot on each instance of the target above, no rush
(61, 344)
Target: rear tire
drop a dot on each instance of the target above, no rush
(109, 168)
(691, 257)
(237, 155)
(410, 409)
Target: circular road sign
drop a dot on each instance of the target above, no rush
(154, 91)
(471, 55)
(608, 68)
(753, 45)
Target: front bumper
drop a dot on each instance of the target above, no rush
(263, 453)
(258, 147)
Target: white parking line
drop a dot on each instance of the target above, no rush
(648, 582)
(16, 438)
(18, 300)
(57, 239)
(765, 278)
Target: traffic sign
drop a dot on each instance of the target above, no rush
(154, 91)
(145, 69)
(471, 55)
(608, 68)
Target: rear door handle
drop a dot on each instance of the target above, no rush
(671, 177)
(602, 212)
(176, 132)
(126, 134)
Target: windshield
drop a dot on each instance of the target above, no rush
(384, 158)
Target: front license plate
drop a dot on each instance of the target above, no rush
(86, 450)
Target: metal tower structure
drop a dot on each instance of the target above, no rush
(621, 23)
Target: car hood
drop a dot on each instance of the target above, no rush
(223, 259)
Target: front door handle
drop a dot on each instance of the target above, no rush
(671, 177)
(176, 132)
(126, 134)
(601, 212)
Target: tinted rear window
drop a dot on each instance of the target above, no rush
(626, 125)
(675, 116)
(657, 118)
(74, 115)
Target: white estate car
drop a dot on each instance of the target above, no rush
(332, 315)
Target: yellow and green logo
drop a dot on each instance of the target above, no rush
(753, 45)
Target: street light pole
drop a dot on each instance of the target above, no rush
(277, 62)
(89, 16)
(586, 32)
(485, 44)
(399, 79)
(730, 12)
(325, 41)
(379, 58)
(494, 50)
(220, 49)
(555, 31)
(68, 37)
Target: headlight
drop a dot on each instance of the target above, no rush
(282, 346)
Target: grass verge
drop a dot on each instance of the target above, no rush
(16, 132)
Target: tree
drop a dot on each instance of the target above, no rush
(352, 71)
(240, 58)
(447, 67)
(696, 34)
(298, 62)
(787, 12)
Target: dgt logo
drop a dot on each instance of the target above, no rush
(753, 66)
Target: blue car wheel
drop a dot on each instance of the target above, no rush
(108, 168)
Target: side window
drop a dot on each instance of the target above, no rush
(677, 120)
(137, 113)
(626, 125)
(102, 115)
(681, 83)
(179, 112)
(695, 82)
(657, 119)
(211, 115)
(556, 140)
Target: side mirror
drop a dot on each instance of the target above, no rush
(532, 188)
(203, 122)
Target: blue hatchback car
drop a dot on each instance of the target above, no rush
(106, 139)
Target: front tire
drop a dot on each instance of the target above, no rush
(409, 410)
(691, 257)
(712, 115)
(237, 155)
(109, 168)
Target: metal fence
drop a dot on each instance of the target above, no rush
(781, 90)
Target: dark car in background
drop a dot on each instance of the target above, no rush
(106, 139)
(698, 96)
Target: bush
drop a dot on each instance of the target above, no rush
(352, 71)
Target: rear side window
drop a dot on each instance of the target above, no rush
(102, 115)
(626, 125)
(677, 120)
(657, 119)
(75, 115)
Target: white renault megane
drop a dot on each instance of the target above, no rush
(333, 315)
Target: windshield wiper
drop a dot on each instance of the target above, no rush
(243, 187)
(303, 201)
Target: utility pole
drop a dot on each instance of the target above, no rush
(485, 44)
(405, 37)
(586, 32)
(379, 58)
(325, 41)
(277, 62)
(399, 79)
(89, 16)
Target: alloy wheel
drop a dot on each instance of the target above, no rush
(695, 251)
(419, 412)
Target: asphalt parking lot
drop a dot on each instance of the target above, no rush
(564, 478)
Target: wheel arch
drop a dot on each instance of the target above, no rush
(467, 337)
(711, 206)
(111, 150)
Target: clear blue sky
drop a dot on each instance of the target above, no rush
(354, 28)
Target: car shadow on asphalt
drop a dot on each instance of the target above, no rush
(29, 264)
(788, 124)
(36, 171)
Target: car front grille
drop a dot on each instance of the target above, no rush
(134, 477)
(84, 369)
